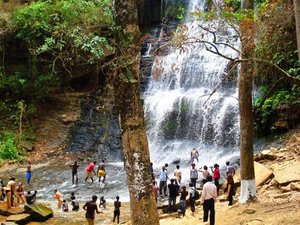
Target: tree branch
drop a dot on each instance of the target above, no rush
(283, 72)
(226, 75)
(271, 90)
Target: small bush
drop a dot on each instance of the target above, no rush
(8, 148)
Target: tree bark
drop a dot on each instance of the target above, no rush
(297, 18)
(248, 188)
(126, 84)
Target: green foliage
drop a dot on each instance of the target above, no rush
(276, 39)
(233, 5)
(8, 147)
(22, 85)
(69, 30)
(175, 10)
(271, 105)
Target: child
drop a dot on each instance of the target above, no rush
(102, 202)
(183, 195)
(74, 202)
(65, 207)
(117, 205)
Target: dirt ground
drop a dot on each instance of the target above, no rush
(275, 205)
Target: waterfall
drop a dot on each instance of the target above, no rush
(181, 114)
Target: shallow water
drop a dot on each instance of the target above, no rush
(57, 175)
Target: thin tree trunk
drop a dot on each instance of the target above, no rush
(126, 85)
(248, 188)
(297, 18)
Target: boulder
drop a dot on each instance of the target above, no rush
(39, 211)
(287, 173)
(283, 195)
(7, 212)
(262, 174)
(295, 186)
(268, 154)
(19, 219)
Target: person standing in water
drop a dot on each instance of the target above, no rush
(59, 198)
(90, 208)
(194, 155)
(74, 166)
(90, 170)
(28, 172)
(101, 172)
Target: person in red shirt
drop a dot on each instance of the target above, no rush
(90, 170)
(216, 175)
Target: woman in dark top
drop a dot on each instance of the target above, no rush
(230, 189)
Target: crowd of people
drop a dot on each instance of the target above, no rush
(14, 195)
(170, 186)
(13, 192)
(90, 207)
(209, 182)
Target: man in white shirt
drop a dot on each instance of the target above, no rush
(208, 197)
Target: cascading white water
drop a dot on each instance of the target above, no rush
(176, 116)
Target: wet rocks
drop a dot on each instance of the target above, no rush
(19, 219)
(7, 212)
(39, 211)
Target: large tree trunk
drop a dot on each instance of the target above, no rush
(248, 188)
(297, 17)
(127, 95)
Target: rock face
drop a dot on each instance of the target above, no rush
(287, 173)
(96, 130)
(39, 211)
(19, 219)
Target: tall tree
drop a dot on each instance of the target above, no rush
(126, 85)
(297, 18)
(248, 188)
